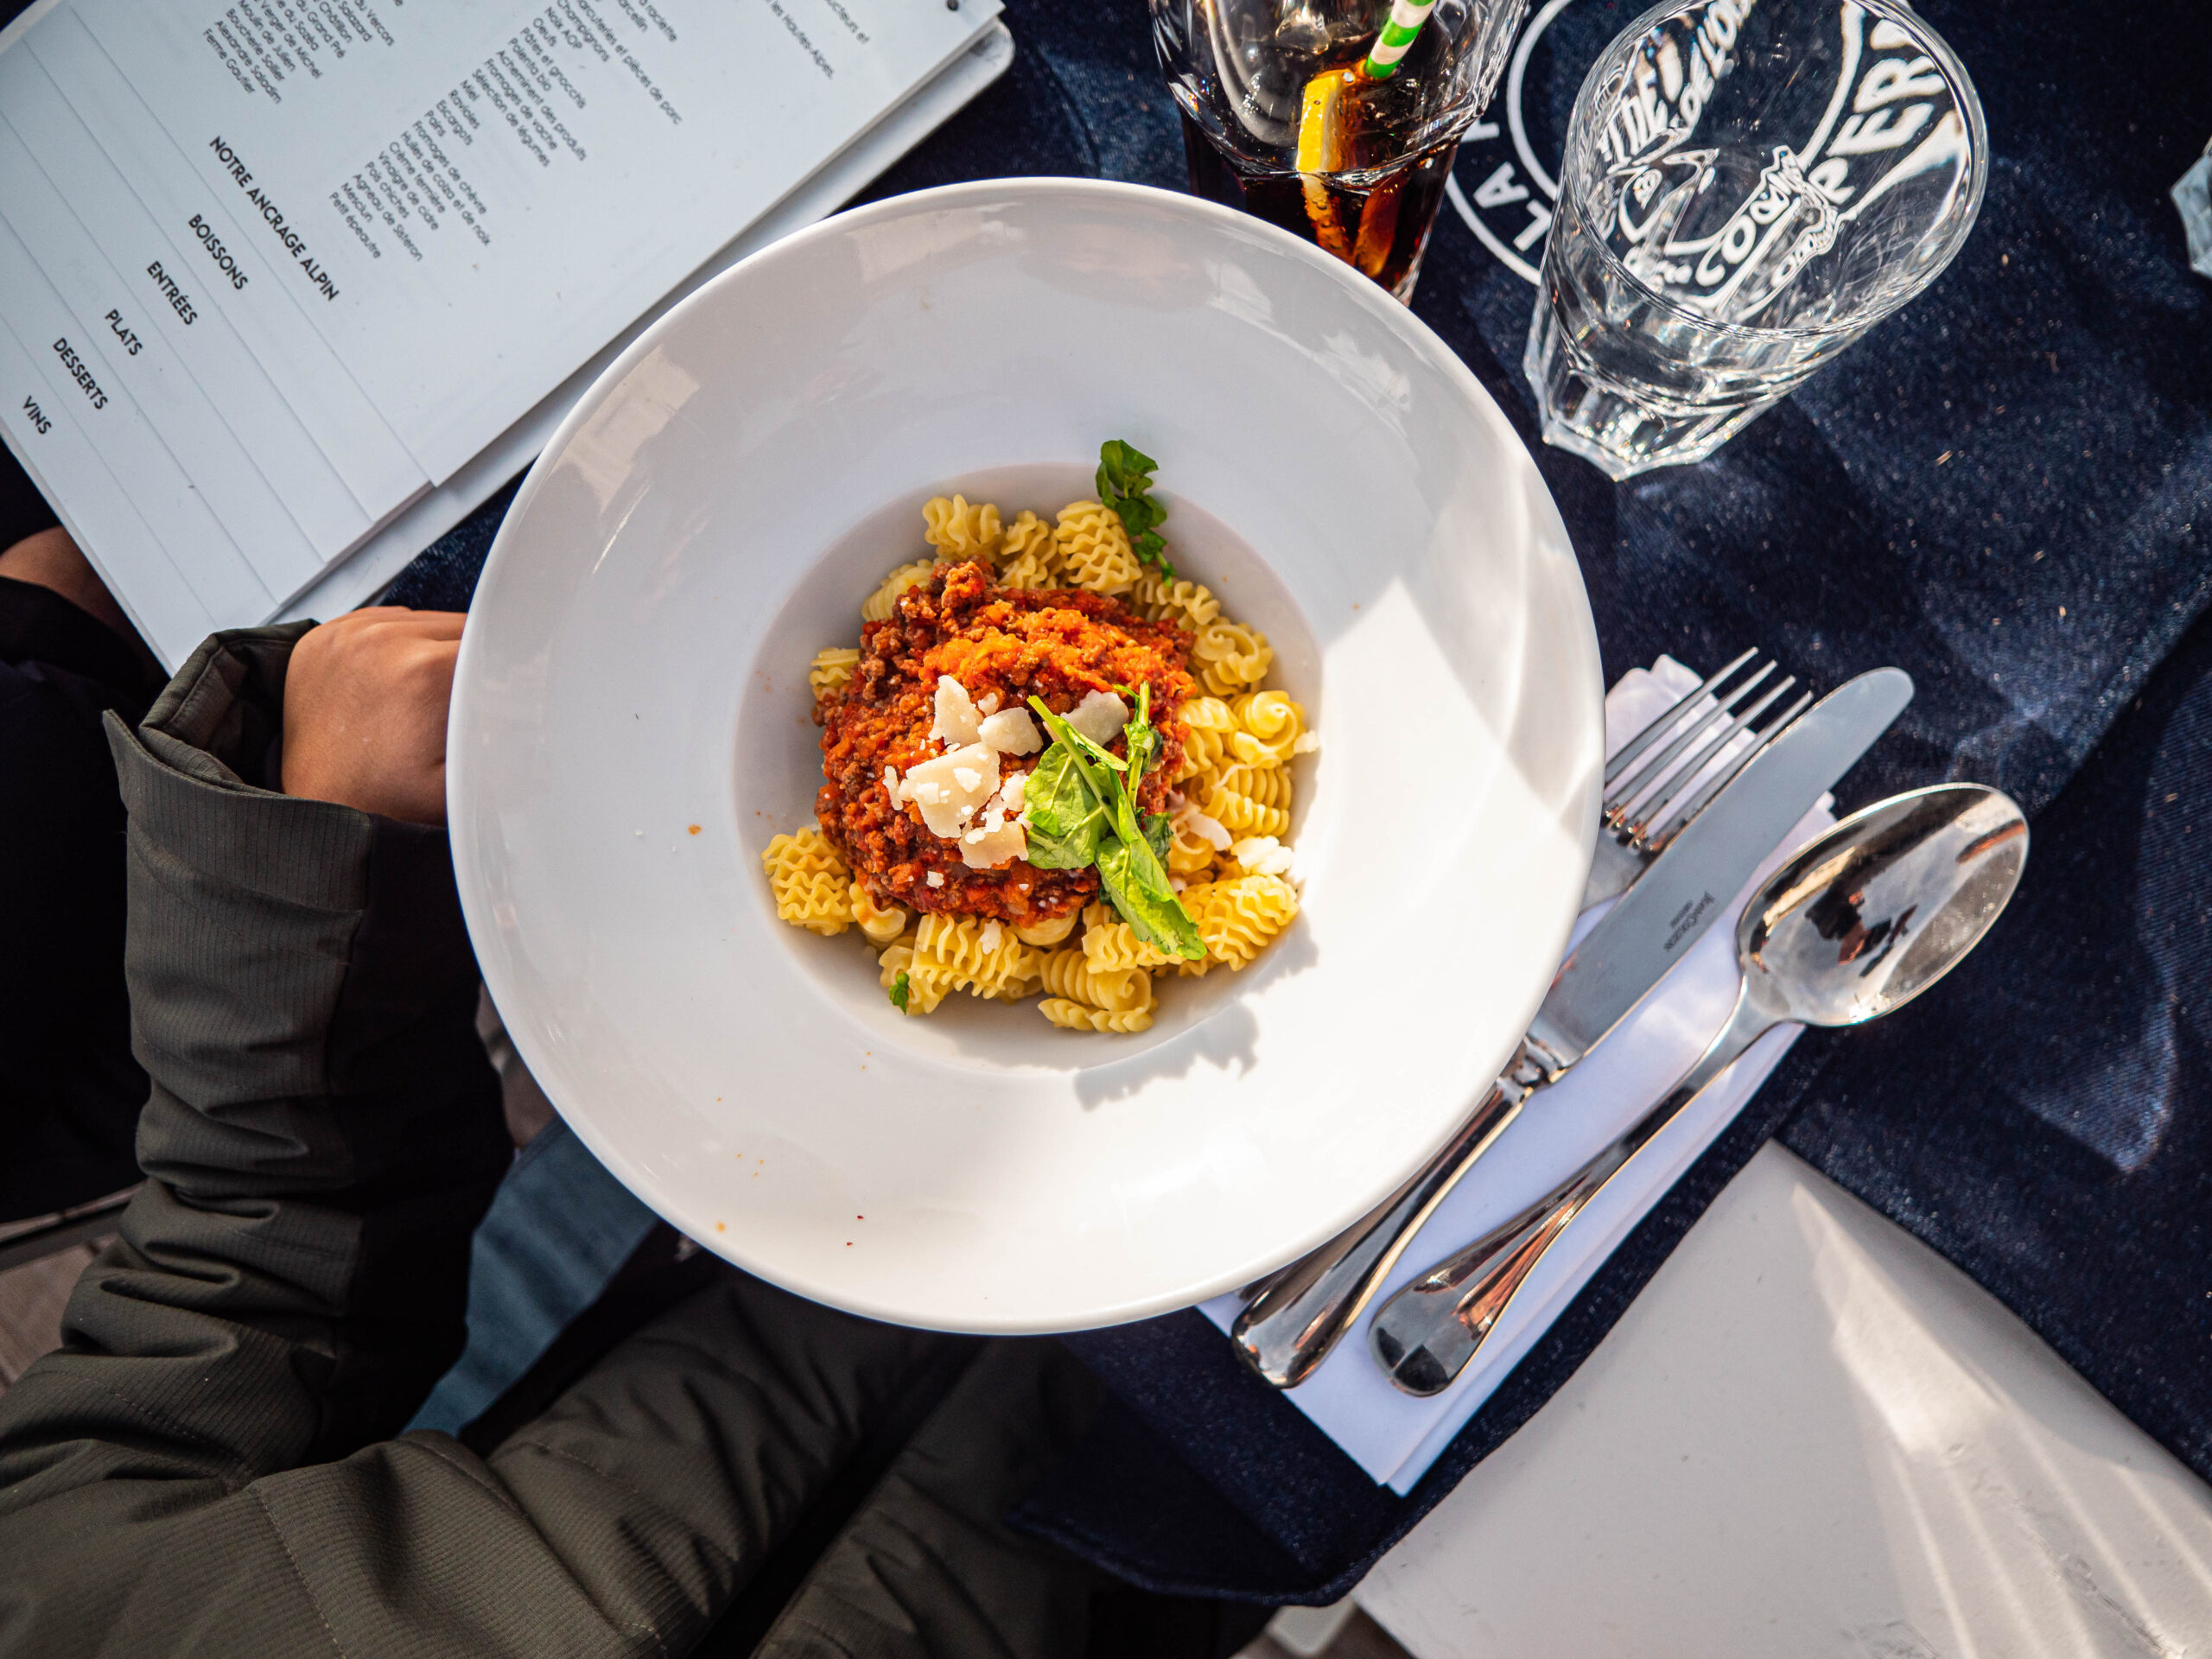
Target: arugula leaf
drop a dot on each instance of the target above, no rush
(1058, 798)
(1143, 737)
(899, 991)
(1124, 483)
(1070, 840)
(1087, 750)
(1122, 460)
(1137, 882)
(1064, 805)
(1077, 850)
(1081, 814)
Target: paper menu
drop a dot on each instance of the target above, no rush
(377, 467)
(522, 180)
(77, 465)
(274, 388)
(259, 513)
(439, 508)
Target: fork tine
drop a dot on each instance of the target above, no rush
(1652, 810)
(1674, 822)
(1651, 733)
(1620, 798)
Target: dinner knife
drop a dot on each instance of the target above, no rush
(1299, 1313)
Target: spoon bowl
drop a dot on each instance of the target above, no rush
(1880, 907)
(1853, 926)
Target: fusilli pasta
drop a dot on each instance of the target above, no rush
(1074, 1016)
(1270, 725)
(1032, 559)
(1209, 724)
(1238, 918)
(1108, 946)
(1189, 855)
(832, 667)
(1026, 980)
(878, 606)
(1249, 801)
(959, 532)
(1228, 656)
(1066, 974)
(881, 923)
(972, 954)
(1185, 602)
(810, 883)
(1045, 934)
(924, 989)
(1026, 534)
(1094, 549)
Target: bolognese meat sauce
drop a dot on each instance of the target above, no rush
(1057, 644)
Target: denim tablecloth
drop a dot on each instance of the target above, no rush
(2007, 490)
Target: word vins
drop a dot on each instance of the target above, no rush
(42, 423)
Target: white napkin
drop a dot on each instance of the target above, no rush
(1393, 1436)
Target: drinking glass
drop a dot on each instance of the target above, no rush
(1748, 186)
(1277, 119)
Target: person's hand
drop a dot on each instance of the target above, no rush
(365, 712)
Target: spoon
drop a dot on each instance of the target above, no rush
(1856, 924)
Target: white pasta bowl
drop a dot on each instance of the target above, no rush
(631, 725)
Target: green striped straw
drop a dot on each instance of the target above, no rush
(1397, 37)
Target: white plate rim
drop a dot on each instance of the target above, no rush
(1399, 318)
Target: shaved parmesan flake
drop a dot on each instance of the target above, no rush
(1209, 830)
(934, 879)
(1011, 792)
(1100, 716)
(987, 849)
(1263, 855)
(1011, 732)
(957, 719)
(1306, 743)
(952, 787)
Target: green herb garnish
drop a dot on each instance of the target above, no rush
(1065, 812)
(1082, 811)
(899, 991)
(1125, 484)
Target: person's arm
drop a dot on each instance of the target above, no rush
(201, 1467)
(52, 561)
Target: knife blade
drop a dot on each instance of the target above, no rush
(1682, 895)
(1298, 1315)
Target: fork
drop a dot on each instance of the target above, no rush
(1658, 781)
(1664, 776)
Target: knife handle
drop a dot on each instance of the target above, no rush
(1427, 1333)
(1298, 1315)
